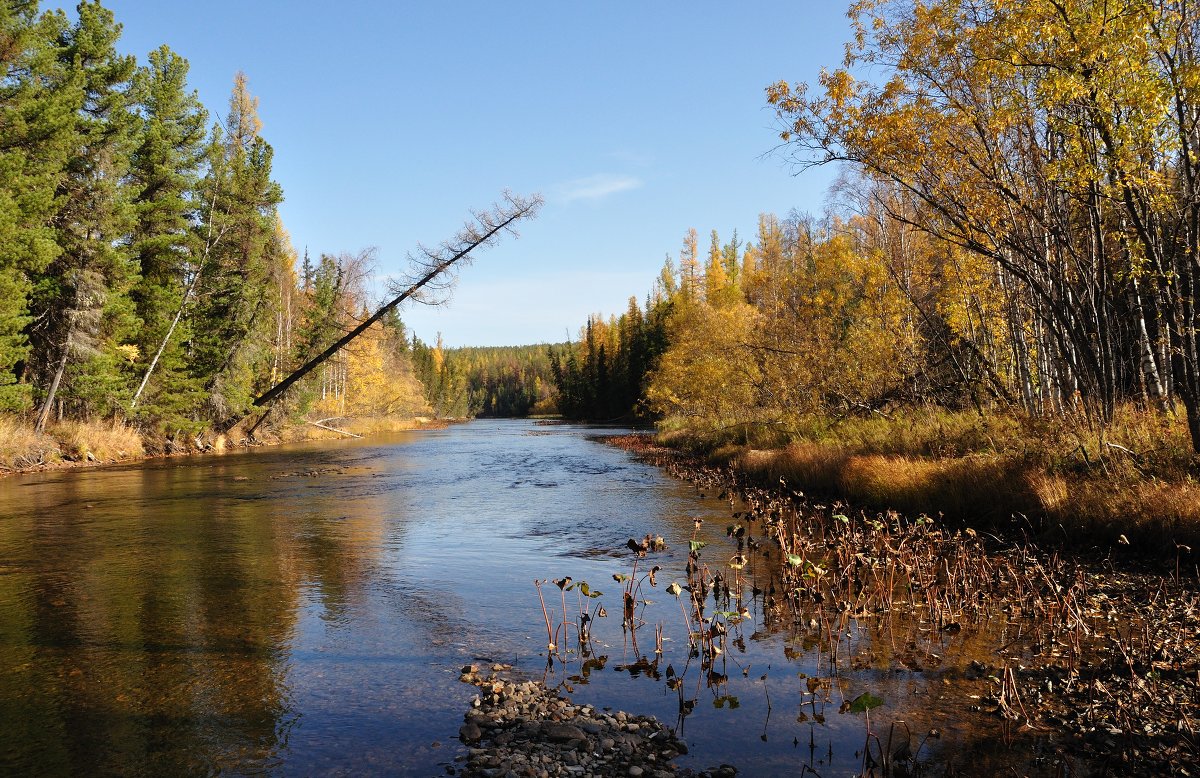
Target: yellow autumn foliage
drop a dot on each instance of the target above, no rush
(708, 376)
(821, 324)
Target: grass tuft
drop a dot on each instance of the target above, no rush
(21, 448)
(105, 441)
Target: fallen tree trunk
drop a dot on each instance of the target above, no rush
(430, 265)
(333, 429)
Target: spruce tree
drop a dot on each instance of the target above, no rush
(84, 319)
(36, 133)
(166, 241)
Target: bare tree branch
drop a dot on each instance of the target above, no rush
(428, 266)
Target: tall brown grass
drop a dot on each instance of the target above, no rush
(362, 426)
(20, 447)
(986, 487)
(100, 441)
(104, 441)
(1061, 476)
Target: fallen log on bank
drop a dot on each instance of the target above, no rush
(333, 429)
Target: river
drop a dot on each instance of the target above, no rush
(306, 610)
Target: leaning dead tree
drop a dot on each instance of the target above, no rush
(431, 268)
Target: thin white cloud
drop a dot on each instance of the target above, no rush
(598, 186)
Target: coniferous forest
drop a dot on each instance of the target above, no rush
(145, 274)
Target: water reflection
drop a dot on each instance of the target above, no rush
(141, 632)
(306, 609)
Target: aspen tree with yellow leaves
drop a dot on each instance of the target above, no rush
(820, 328)
(1055, 141)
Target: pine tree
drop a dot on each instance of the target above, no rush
(84, 317)
(166, 241)
(37, 127)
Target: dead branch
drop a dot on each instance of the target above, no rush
(429, 264)
(333, 429)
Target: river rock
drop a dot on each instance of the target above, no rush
(525, 729)
(562, 733)
(469, 732)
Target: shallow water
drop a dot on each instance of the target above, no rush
(306, 610)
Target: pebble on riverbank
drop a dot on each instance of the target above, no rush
(521, 728)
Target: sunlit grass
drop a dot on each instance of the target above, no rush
(104, 441)
(20, 447)
(100, 441)
(958, 486)
(1062, 475)
(362, 426)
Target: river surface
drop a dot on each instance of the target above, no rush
(307, 609)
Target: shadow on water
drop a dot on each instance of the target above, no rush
(306, 609)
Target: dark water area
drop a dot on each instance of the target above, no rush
(305, 610)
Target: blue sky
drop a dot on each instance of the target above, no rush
(390, 120)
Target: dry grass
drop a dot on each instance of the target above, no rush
(21, 448)
(1137, 444)
(921, 431)
(1153, 514)
(362, 426)
(374, 425)
(105, 441)
(1057, 476)
(994, 487)
(707, 437)
(115, 441)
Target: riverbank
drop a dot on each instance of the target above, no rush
(71, 444)
(1133, 484)
(1088, 661)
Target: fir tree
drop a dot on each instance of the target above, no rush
(84, 318)
(165, 240)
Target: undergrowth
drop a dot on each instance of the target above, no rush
(1131, 479)
(21, 447)
(100, 441)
